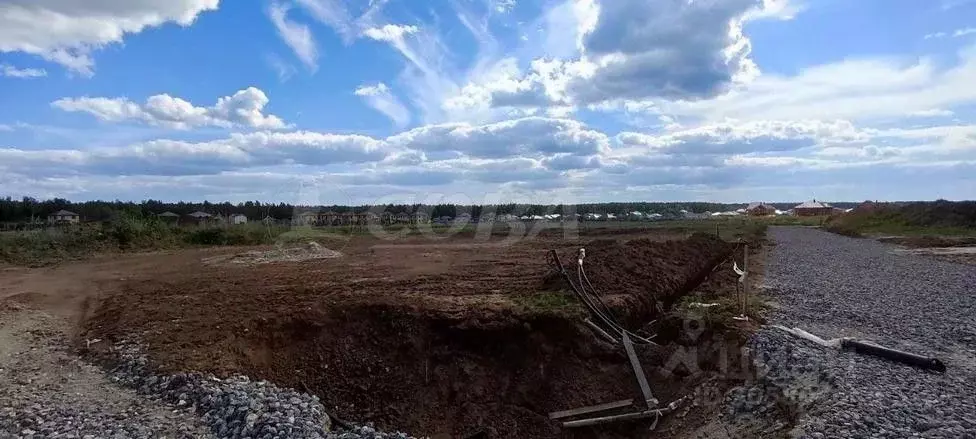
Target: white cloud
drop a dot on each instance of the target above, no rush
(296, 35)
(778, 9)
(335, 14)
(67, 31)
(284, 70)
(955, 34)
(932, 112)
(14, 72)
(169, 157)
(520, 158)
(963, 32)
(631, 49)
(391, 33)
(244, 109)
(866, 89)
(532, 137)
(381, 99)
(952, 4)
(503, 6)
(332, 13)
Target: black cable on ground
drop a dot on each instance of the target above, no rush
(590, 305)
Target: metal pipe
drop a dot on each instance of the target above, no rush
(612, 418)
(628, 416)
(923, 362)
(596, 328)
(592, 409)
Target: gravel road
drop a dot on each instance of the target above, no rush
(834, 286)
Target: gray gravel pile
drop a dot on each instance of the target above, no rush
(835, 286)
(236, 407)
(46, 392)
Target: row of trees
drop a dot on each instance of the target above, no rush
(27, 209)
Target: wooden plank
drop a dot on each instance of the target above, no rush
(591, 409)
(639, 372)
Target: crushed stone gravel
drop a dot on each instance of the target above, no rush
(47, 391)
(834, 286)
(236, 407)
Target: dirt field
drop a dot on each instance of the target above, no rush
(449, 338)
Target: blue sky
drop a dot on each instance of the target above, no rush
(478, 101)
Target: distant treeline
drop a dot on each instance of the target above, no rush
(27, 209)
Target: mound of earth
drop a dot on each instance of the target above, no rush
(439, 345)
(308, 252)
(650, 274)
(937, 214)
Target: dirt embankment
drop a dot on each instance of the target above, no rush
(432, 340)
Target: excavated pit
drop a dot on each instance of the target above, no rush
(449, 341)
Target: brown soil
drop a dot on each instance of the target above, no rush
(448, 339)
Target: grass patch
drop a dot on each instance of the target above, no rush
(125, 233)
(547, 301)
(939, 218)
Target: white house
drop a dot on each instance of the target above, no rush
(238, 218)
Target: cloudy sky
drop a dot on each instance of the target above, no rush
(371, 101)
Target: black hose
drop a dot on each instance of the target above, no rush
(580, 292)
(596, 294)
(893, 355)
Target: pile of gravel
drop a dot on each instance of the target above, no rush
(835, 286)
(47, 392)
(236, 407)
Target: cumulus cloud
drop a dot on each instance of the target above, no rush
(244, 108)
(67, 31)
(170, 157)
(296, 35)
(751, 136)
(560, 157)
(382, 99)
(669, 48)
(532, 137)
(635, 50)
(14, 72)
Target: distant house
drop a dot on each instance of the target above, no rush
(168, 217)
(307, 218)
(813, 208)
(760, 209)
(199, 217)
(238, 218)
(64, 217)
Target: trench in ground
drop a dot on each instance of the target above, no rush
(491, 363)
